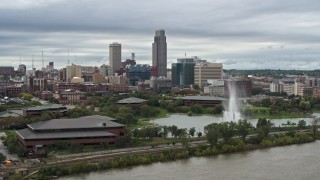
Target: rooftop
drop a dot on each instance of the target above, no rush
(131, 100)
(28, 134)
(45, 107)
(87, 122)
(202, 98)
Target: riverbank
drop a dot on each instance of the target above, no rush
(170, 155)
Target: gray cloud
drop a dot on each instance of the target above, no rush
(273, 34)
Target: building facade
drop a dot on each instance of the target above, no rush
(138, 73)
(215, 87)
(98, 129)
(205, 71)
(159, 53)
(115, 57)
(73, 71)
(182, 72)
(243, 88)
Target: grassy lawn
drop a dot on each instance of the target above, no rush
(140, 123)
(280, 115)
(257, 108)
(264, 112)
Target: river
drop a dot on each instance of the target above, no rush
(286, 162)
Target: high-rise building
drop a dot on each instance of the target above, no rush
(183, 72)
(159, 53)
(205, 71)
(115, 56)
(73, 71)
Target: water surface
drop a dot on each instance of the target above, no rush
(287, 162)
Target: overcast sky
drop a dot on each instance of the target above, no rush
(241, 34)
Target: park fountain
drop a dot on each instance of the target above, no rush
(232, 112)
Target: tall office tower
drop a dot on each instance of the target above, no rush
(115, 57)
(159, 53)
(183, 72)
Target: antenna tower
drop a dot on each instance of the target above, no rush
(32, 62)
(42, 60)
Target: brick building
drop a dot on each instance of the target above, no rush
(85, 130)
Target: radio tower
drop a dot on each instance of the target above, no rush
(32, 62)
(42, 60)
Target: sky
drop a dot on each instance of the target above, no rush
(241, 34)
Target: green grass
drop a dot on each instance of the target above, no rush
(140, 123)
(257, 108)
(280, 115)
(264, 112)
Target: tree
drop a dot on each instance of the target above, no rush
(196, 87)
(199, 134)
(263, 127)
(212, 133)
(192, 131)
(2, 157)
(218, 109)
(314, 125)
(266, 102)
(153, 102)
(196, 108)
(53, 100)
(227, 130)
(243, 127)
(165, 131)
(173, 129)
(26, 96)
(182, 133)
(302, 124)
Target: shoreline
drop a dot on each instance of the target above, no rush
(172, 154)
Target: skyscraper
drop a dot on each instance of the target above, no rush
(115, 56)
(159, 53)
(183, 72)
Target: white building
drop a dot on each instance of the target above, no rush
(215, 87)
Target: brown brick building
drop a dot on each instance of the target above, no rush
(85, 130)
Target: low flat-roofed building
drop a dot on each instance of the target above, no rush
(202, 100)
(132, 101)
(11, 113)
(85, 130)
(37, 110)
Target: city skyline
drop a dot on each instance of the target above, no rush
(250, 35)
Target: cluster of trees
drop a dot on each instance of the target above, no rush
(164, 131)
(227, 130)
(292, 104)
(22, 121)
(169, 155)
(13, 145)
(177, 106)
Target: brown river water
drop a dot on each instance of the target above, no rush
(287, 162)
